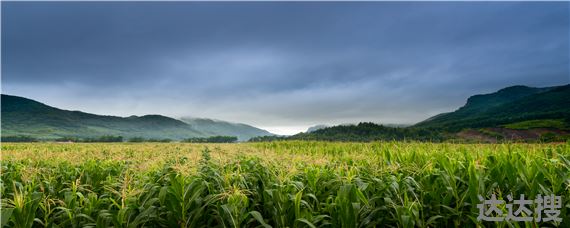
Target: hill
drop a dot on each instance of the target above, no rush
(507, 106)
(217, 127)
(26, 117)
(366, 131)
(512, 113)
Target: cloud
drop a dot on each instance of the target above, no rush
(279, 63)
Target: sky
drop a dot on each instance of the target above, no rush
(280, 66)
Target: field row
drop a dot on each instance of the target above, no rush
(278, 184)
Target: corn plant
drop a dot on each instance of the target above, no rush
(274, 184)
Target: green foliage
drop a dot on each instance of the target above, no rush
(552, 137)
(22, 206)
(212, 139)
(509, 105)
(362, 132)
(141, 139)
(19, 138)
(104, 138)
(268, 138)
(358, 185)
(546, 123)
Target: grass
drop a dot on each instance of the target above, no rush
(277, 184)
(530, 124)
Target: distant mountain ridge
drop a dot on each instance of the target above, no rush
(512, 113)
(218, 127)
(516, 112)
(508, 105)
(22, 116)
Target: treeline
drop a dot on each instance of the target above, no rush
(19, 138)
(363, 132)
(111, 138)
(268, 138)
(25, 138)
(141, 139)
(213, 139)
(104, 138)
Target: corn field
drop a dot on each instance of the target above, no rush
(274, 184)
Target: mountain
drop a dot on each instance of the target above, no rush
(506, 106)
(217, 127)
(512, 113)
(26, 117)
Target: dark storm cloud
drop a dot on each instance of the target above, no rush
(279, 63)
